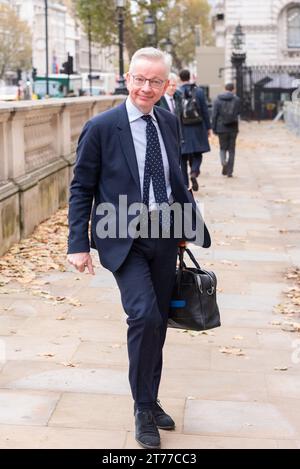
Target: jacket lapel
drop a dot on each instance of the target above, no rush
(168, 139)
(127, 145)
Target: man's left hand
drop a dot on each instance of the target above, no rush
(182, 244)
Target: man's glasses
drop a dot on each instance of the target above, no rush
(140, 81)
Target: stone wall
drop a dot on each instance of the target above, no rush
(37, 151)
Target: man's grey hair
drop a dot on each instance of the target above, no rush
(151, 53)
(173, 76)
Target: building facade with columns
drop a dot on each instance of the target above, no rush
(271, 44)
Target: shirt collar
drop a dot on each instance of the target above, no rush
(134, 113)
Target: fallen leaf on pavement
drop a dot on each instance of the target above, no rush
(74, 302)
(280, 201)
(44, 251)
(69, 365)
(291, 326)
(232, 351)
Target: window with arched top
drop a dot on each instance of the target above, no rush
(293, 27)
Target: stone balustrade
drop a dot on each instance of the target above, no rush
(292, 116)
(38, 140)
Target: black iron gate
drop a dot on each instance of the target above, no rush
(265, 88)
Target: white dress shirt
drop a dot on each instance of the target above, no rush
(170, 102)
(138, 132)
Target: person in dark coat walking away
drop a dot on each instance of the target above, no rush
(195, 136)
(225, 121)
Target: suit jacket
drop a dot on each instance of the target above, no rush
(177, 100)
(178, 107)
(106, 167)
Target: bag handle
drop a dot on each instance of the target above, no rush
(182, 265)
(191, 256)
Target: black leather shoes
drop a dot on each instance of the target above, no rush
(162, 420)
(195, 185)
(146, 432)
(224, 170)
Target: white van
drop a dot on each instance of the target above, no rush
(102, 82)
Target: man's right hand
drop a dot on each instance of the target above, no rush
(81, 260)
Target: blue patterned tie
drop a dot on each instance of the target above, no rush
(154, 168)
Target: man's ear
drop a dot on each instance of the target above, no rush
(165, 87)
(127, 78)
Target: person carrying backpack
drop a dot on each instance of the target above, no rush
(196, 128)
(225, 123)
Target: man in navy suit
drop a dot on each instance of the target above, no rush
(132, 153)
(172, 98)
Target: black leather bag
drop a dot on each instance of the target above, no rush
(194, 301)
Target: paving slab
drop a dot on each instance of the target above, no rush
(108, 412)
(284, 385)
(74, 438)
(172, 440)
(237, 419)
(81, 329)
(37, 347)
(212, 385)
(26, 408)
(81, 380)
(21, 436)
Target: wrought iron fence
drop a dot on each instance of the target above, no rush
(266, 89)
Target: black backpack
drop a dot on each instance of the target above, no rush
(229, 111)
(191, 114)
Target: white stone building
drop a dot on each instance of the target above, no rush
(271, 27)
(271, 44)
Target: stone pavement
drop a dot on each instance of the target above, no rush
(63, 380)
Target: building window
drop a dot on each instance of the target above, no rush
(293, 27)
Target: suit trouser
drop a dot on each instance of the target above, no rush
(227, 144)
(146, 280)
(195, 160)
